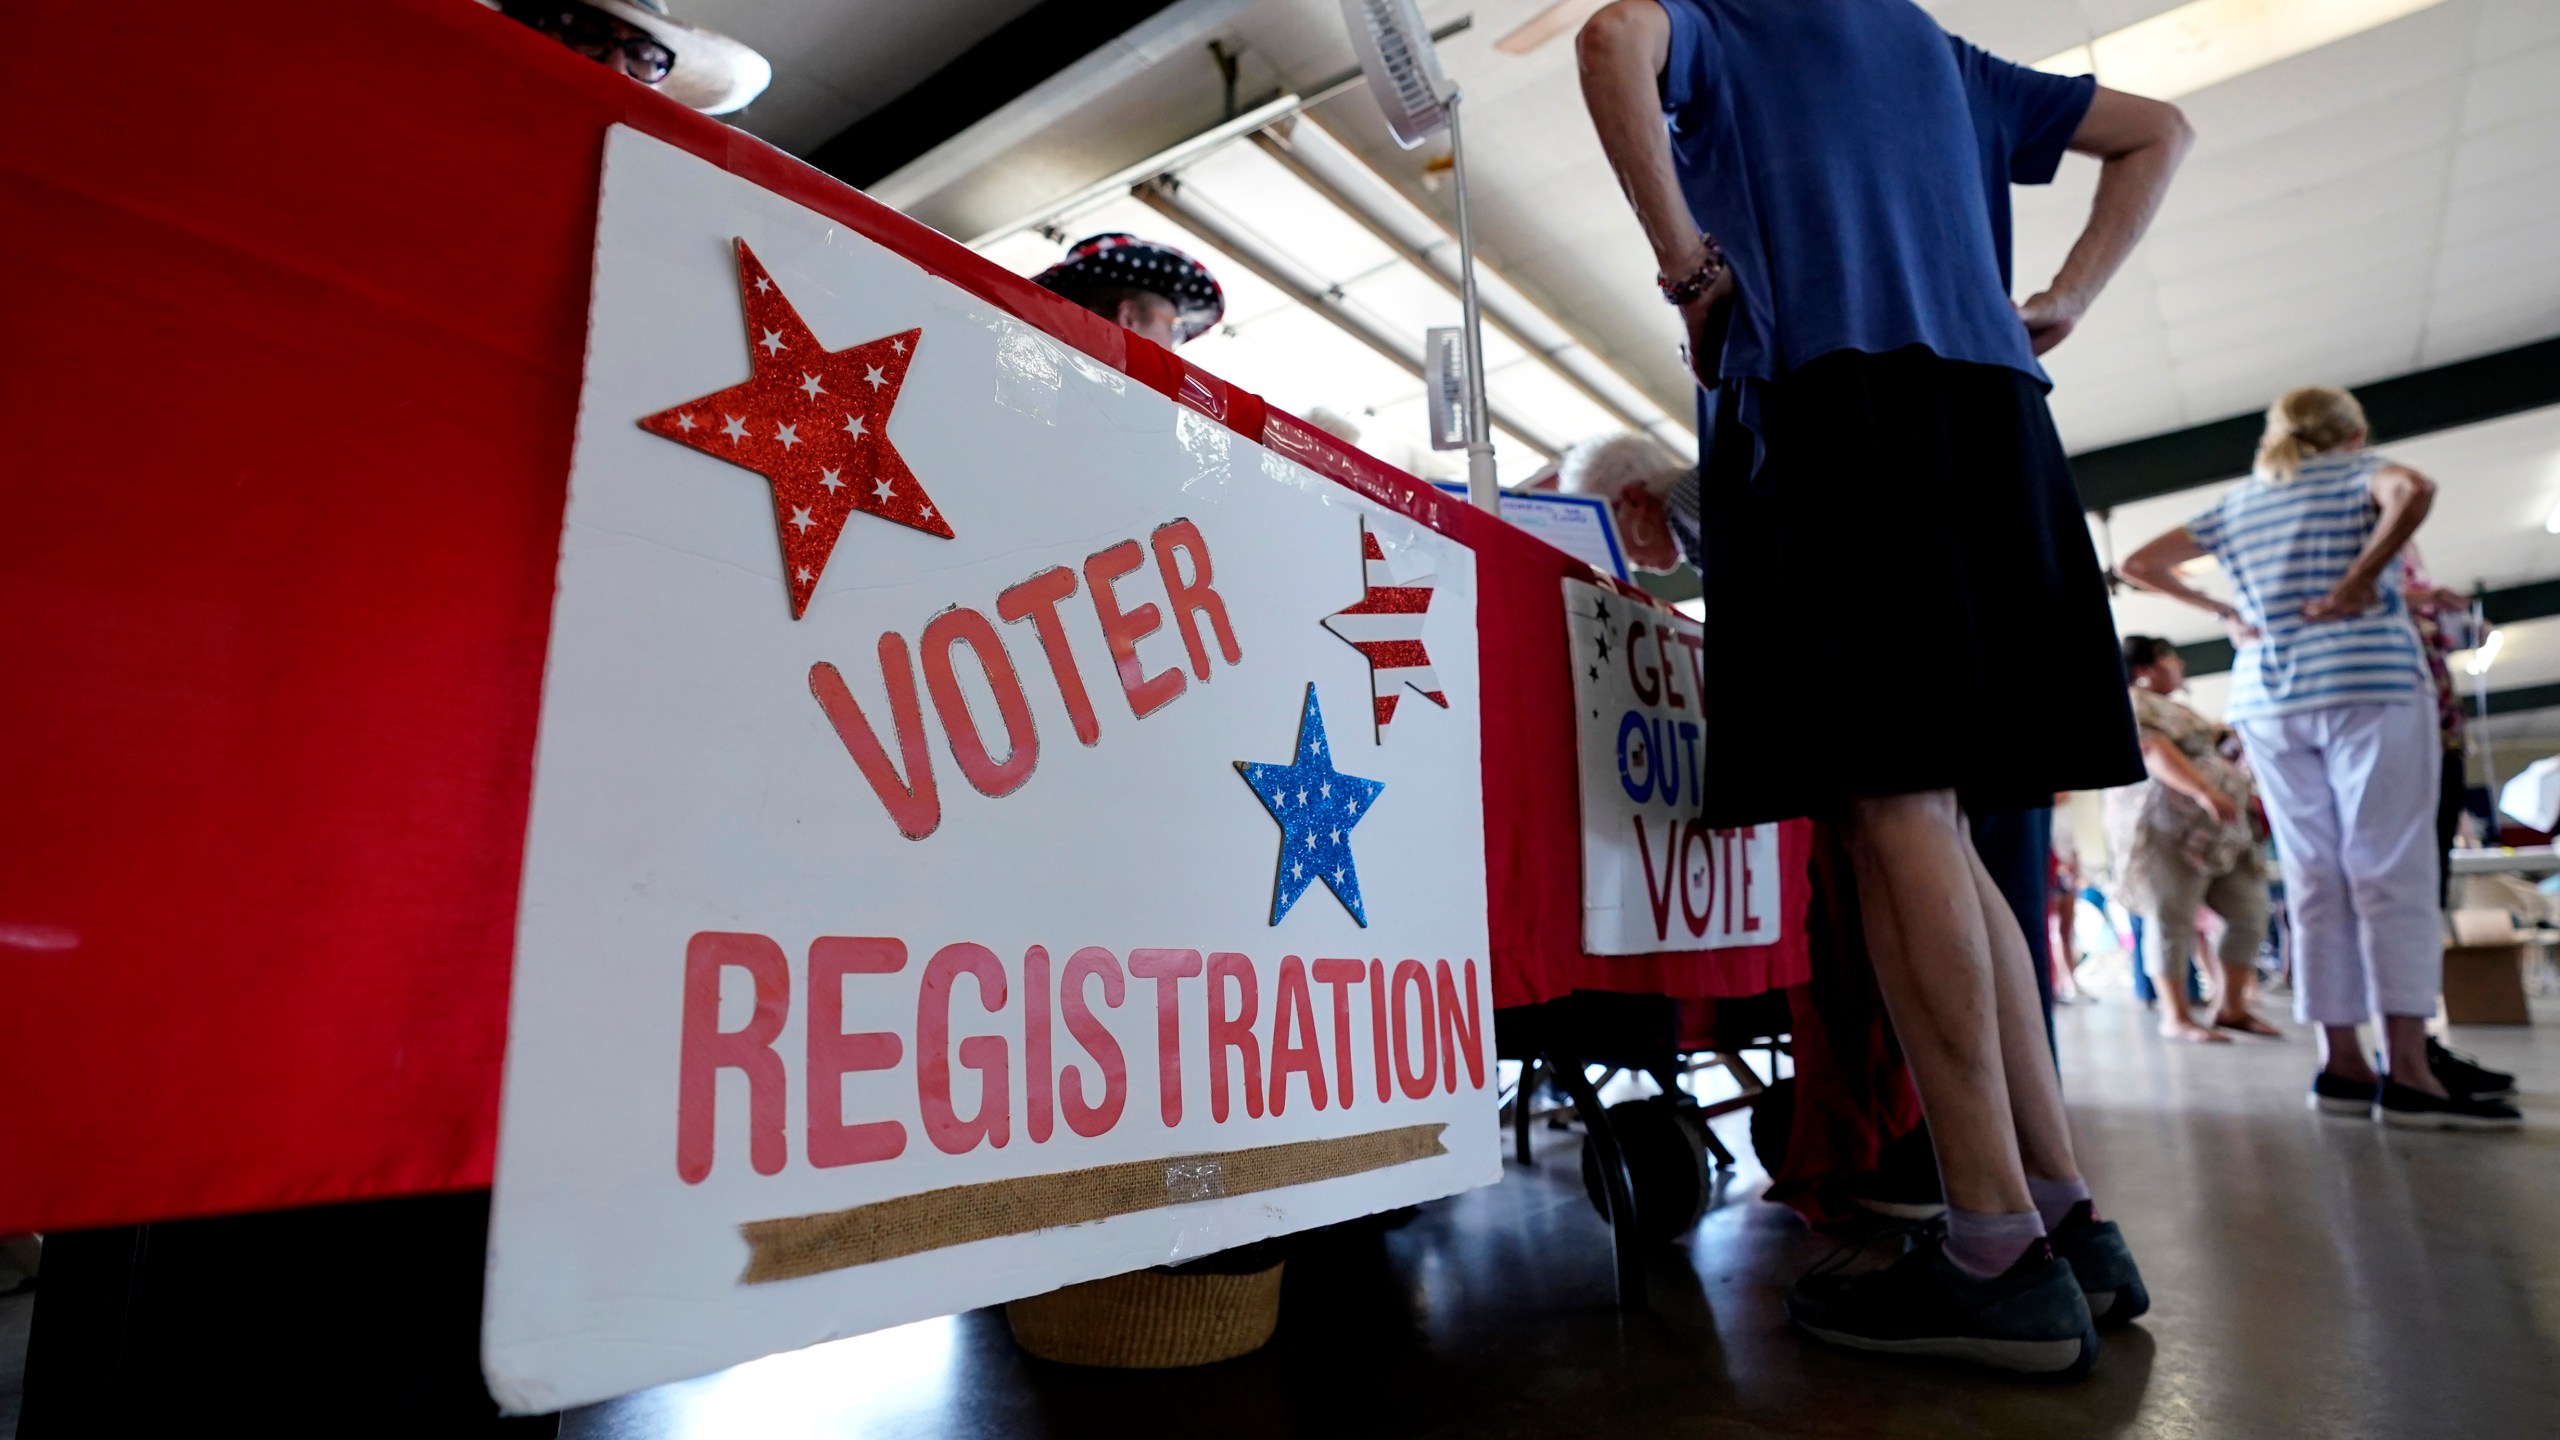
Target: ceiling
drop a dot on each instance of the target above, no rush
(1284, 351)
(2374, 206)
(2371, 207)
(835, 61)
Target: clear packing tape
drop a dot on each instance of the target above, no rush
(1037, 376)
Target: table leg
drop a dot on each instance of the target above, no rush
(1615, 1185)
(1530, 1075)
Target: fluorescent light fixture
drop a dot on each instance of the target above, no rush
(1334, 280)
(2206, 42)
(2487, 654)
(2552, 525)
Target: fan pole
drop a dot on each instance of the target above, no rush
(2479, 734)
(1482, 490)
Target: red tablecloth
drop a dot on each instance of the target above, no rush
(296, 306)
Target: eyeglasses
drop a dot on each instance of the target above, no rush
(604, 38)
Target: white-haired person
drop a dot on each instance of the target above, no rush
(1638, 478)
(2332, 701)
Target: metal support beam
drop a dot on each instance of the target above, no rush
(1165, 199)
(2533, 600)
(1039, 43)
(2419, 403)
(2208, 657)
(2217, 654)
(1270, 110)
(1286, 154)
(2521, 698)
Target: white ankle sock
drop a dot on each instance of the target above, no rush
(1986, 1245)
(2054, 1198)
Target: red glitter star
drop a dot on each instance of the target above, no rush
(813, 421)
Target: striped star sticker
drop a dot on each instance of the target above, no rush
(1386, 626)
(815, 423)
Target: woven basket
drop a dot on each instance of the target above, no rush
(1150, 1319)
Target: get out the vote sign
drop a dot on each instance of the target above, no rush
(964, 860)
(1653, 877)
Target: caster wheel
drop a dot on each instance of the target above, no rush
(1667, 1164)
(1773, 1121)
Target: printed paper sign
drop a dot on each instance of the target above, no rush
(1579, 525)
(963, 858)
(1653, 877)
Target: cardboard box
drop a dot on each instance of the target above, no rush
(2484, 985)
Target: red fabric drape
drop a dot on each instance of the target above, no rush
(295, 311)
(1853, 1089)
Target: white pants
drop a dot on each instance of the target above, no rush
(2351, 792)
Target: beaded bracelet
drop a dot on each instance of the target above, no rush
(1697, 282)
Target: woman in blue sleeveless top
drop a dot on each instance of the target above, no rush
(1825, 185)
(2331, 696)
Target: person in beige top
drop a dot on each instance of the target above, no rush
(2182, 841)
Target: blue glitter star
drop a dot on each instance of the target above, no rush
(1316, 806)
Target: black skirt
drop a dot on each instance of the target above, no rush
(1903, 598)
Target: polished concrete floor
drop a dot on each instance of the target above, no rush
(2311, 1278)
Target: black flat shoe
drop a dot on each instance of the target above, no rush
(2463, 1075)
(2336, 1095)
(2460, 1073)
(2412, 1109)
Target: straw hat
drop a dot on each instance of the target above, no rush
(1161, 1319)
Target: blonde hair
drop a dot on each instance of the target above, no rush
(2305, 421)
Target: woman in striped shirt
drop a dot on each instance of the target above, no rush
(2330, 695)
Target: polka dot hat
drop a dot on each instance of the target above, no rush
(1118, 259)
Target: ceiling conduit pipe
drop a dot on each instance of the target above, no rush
(1282, 151)
(1165, 199)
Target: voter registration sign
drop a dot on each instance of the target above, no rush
(963, 860)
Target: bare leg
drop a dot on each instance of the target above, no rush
(1923, 912)
(2239, 988)
(2064, 947)
(2240, 898)
(2342, 1054)
(2172, 891)
(2171, 953)
(2231, 997)
(2026, 1056)
(2404, 1049)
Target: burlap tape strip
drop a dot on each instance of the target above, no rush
(798, 1245)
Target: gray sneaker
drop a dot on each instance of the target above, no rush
(2103, 1264)
(2032, 1319)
